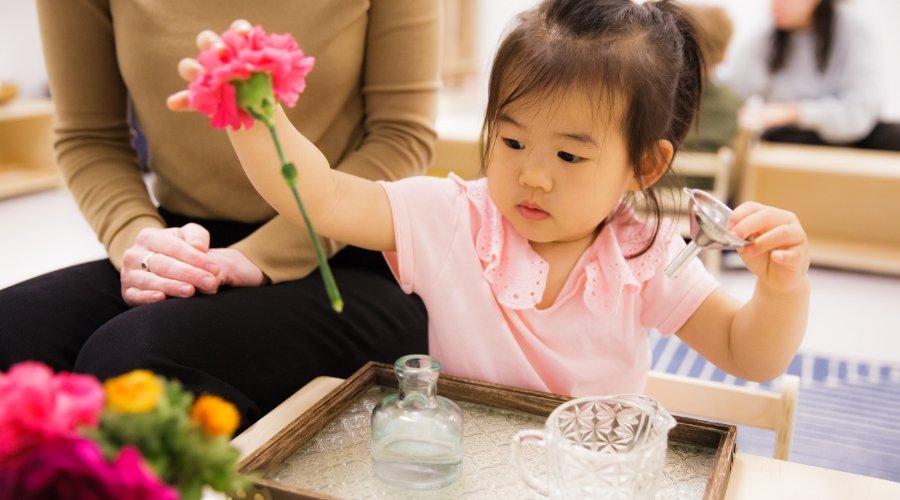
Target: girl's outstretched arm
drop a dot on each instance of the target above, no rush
(341, 206)
(757, 340)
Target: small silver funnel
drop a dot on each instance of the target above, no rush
(709, 229)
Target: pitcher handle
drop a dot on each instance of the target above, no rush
(523, 437)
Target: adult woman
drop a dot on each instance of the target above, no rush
(212, 287)
(816, 69)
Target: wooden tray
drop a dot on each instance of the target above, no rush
(715, 441)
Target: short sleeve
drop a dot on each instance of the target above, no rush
(669, 302)
(427, 214)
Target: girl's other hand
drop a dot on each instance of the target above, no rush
(779, 250)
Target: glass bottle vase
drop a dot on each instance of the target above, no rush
(417, 438)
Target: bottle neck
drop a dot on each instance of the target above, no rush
(424, 386)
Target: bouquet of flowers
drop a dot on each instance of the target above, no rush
(246, 74)
(136, 436)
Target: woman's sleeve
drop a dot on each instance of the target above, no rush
(93, 138)
(849, 113)
(745, 71)
(401, 82)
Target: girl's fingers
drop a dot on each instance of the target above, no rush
(754, 221)
(783, 236)
(206, 39)
(179, 101)
(794, 259)
(189, 68)
(241, 26)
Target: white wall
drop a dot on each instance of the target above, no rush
(21, 60)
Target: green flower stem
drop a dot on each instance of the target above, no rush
(289, 173)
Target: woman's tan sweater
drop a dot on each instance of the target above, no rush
(369, 105)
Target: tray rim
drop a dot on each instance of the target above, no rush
(288, 439)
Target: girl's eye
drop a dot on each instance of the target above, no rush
(568, 157)
(513, 144)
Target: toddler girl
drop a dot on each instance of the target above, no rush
(539, 275)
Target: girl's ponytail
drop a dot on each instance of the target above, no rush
(690, 78)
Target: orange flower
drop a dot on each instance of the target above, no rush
(217, 416)
(137, 391)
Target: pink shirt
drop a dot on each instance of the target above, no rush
(481, 281)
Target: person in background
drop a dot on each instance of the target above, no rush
(539, 276)
(211, 286)
(812, 77)
(716, 124)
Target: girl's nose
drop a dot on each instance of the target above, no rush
(534, 175)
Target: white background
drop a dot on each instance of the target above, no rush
(22, 63)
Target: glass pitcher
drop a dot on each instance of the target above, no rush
(600, 447)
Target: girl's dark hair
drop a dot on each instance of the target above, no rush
(640, 63)
(823, 28)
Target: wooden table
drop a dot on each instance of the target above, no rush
(752, 476)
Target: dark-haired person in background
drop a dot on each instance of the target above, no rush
(816, 70)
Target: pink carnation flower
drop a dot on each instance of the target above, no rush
(36, 406)
(74, 468)
(240, 54)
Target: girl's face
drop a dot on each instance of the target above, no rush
(793, 14)
(557, 170)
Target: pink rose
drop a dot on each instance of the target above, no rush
(75, 468)
(241, 53)
(35, 405)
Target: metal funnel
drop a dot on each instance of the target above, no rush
(709, 229)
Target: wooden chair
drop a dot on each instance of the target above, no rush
(732, 404)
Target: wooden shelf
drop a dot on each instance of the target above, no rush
(26, 147)
(848, 201)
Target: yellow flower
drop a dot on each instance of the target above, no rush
(137, 391)
(217, 416)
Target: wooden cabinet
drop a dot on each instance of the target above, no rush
(26, 147)
(848, 200)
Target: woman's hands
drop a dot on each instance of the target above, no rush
(769, 115)
(779, 252)
(179, 263)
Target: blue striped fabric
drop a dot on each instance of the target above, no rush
(848, 411)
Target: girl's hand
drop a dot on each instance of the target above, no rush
(189, 69)
(779, 252)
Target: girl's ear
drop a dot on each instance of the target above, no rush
(654, 165)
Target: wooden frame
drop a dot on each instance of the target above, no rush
(720, 437)
(728, 403)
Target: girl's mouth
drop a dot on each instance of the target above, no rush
(531, 211)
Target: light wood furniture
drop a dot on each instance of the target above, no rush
(732, 404)
(26, 147)
(269, 425)
(848, 200)
(755, 477)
